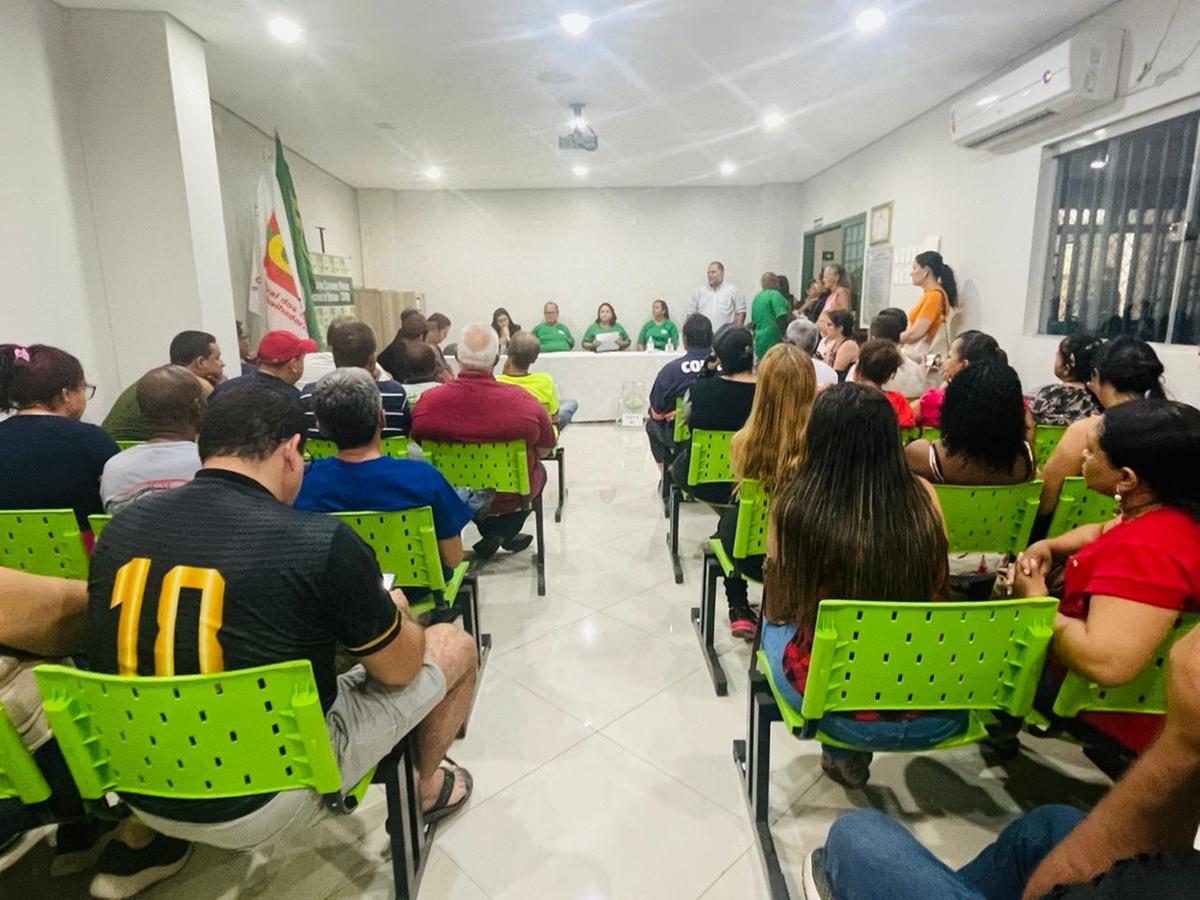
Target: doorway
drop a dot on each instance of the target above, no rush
(841, 243)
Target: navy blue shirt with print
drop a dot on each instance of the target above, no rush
(675, 378)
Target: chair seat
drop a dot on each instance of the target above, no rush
(725, 561)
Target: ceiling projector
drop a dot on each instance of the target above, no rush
(581, 136)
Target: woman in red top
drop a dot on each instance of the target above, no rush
(1127, 580)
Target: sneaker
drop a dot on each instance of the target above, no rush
(743, 623)
(78, 845)
(851, 772)
(486, 548)
(124, 872)
(12, 850)
(517, 543)
(815, 879)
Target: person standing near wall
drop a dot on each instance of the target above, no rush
(720, 302)
(768, 315)
(925, 334)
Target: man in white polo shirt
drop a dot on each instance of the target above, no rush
(720, 302)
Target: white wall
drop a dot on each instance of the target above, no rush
(983, 204)
(243, 153)
(53, 291)
(471, 251)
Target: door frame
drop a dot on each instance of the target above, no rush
(810, 242)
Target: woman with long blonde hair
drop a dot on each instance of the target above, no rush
(769, 448)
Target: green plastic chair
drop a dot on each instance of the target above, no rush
(230, 734)
(495, 464)
(1045, 439)
(319, 448)
(395, 447)
(682, 433)
(98, 521)
(1079, 505)
(708, 463)
(910, 434)
(989, 518)
(931, 433)
(42, 541)
(125, 445)
(980, 657)
(750, 539)
(20, 776)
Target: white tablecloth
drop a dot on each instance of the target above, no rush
(595, 379)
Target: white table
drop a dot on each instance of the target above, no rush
(595, 379)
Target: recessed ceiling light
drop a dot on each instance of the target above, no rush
(987, 101)
(433, 173)
(575, 23)
(773, 120)
(578, 123)
(870, 19)
(1099, 163)
(580, 171)
(728, 168)
(285, 29)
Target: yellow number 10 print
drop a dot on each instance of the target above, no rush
(129, 590)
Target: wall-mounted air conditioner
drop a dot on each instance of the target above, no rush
(1073, 77)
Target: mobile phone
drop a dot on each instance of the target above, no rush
(933, 360)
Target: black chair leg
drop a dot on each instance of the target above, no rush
(409, 836)
(673, 536)
(704, 621)
(666, 485)
(541, 546)
(469, 595)
(561, 456)
(753, 759)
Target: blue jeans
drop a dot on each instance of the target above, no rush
(566, 412)
(869, 855)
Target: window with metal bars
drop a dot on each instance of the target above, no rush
(1123, 255)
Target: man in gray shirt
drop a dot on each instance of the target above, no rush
(720, 302)
(172, 401)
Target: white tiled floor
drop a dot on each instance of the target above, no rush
(602, 757)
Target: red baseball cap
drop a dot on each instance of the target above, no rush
(280, 346)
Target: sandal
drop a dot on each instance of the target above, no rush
(442, 807)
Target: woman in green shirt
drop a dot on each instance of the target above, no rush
(660, 330)
(606, 322)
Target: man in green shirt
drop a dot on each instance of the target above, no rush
(196, 351)
(552, 335)
(523, 352)
(768, 315)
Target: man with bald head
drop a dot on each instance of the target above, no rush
(552, 335)
(475, 408)
(171, 400)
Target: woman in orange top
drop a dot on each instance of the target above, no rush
(936, 279)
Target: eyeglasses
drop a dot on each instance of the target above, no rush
(89, 391)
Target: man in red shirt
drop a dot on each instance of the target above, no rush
(475, 408)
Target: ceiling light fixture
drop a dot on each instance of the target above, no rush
(580, 171)
(433, 173)
(870, 19)
(1099, 163)
(575, 23)
(285, 29)
(773, 120)
(987, 101)
(728, 168)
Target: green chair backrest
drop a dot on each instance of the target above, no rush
(910, 434)
(320, 448)
(682, 432)
(989, 518)
(20, 776)
(931, 432)
(754, 506)
(497, 464)
(98, 521)
(125, 445)
(1146, 693)
(405, 544)
(191, 737)
(42, 541)
(709, 459)
(928, 656)
(1079, 505)
(395, 447)
(1045, 439)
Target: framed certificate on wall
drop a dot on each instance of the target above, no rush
(881, 223)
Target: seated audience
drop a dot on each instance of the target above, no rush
(48, 458)
(659, 330)
(720, 401)
(439, 328)
(360, 477)
(319, 364)
(672, 382)
(606, 323)
(297, 586)
(397, 357)
(806, 335)
(280, 365)
(1136, 842)
(44, 619)
(246, 355)
(422, 374)
(854, 523)
(838, 348)
(878, 362)
(910, 379)
(172, 402)
(504, 327)
(1126, 581)
(353, 346)
(196, 351)
(474, 408)
(968, 348)
(769, 315)
(1126, 368)
(768, 448)
(553, 335)
(813, 303)
(523, 352)
(1069, 399)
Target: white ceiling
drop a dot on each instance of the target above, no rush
(674, 87)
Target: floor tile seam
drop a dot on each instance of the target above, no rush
(728, 869)
(498, 655)
(658, 638)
